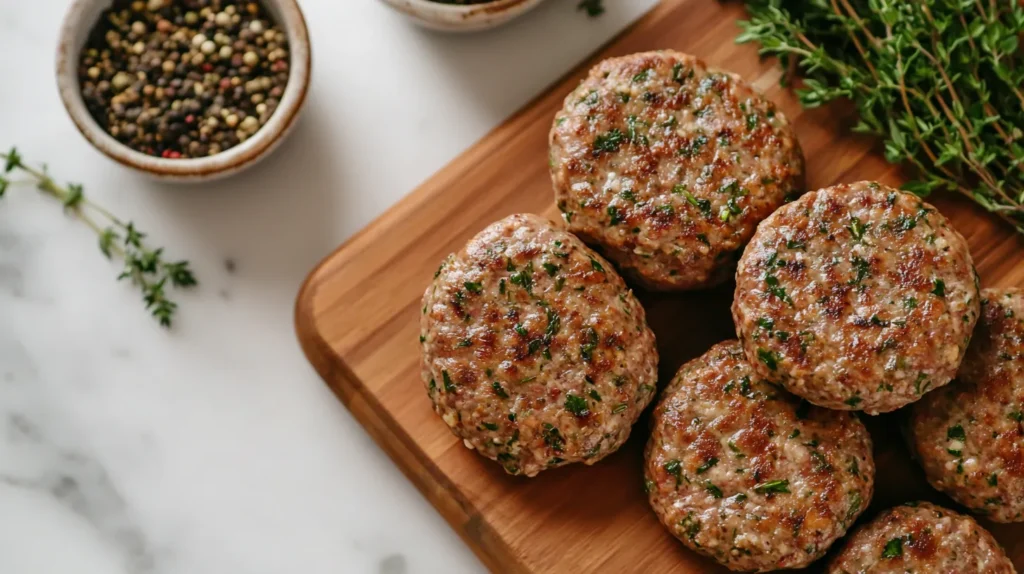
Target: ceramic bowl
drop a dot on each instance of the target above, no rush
(462, 18)
(79, 21)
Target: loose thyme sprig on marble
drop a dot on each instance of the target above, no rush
(143, 267)
(942, 83)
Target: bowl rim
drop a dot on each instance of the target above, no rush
(74, 34)
(492, 5)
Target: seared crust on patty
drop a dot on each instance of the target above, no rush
(748, 474)
(535, 352)
(857, 297)
(969, 435)
(921, 539)
(668, 166)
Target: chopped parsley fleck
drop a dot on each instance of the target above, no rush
(627, 194)
(956, 432)
(893, 548)
(939, 287)
(490, 426)
(576, 405)
(766, 323)
(448, 386)
(465, 343)
(551, 268)
(862, 267)
(695, 146)
(1017, 416)
(674, 468)
(619, 408)
(433, 386)
(712, 489)
(595, 395)
(608, 142)
(772, 486)
(700, 203)
(519, 328)
(795, 433)
(904, 223)
(853, 401)
(679, 188)
(524, 278)
(624, 97)
(596, 265)
(993, 480)
(423, 339)
(473, 287)
(677, 73)
(857, 228)
(707, 465)
(642, 76)
(499, 390)
(587, 348)
(735, 449)
(751, 121)
(793, 244)
(614, 215)
(552, 437)
(855, 502)
(909, 303)
(769, 358)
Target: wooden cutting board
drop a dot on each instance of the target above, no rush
(357, 318)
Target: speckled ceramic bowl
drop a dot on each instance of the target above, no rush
(79, 21)
(462, 18)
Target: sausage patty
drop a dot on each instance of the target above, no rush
(535, 352)
(857, 297)
(668, 165)
(746, 473)
(969, 435)
(921, 538)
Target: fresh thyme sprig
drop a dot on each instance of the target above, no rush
(143, 267)
(942, 82)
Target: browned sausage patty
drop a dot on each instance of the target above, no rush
(856, 297)
(668, 165)
(969, 435)
(748, 474)
(921, 538)
(535, 352)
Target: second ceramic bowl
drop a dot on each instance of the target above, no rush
(462, 17)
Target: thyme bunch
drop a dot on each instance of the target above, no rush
(144, 267)
(940, 81)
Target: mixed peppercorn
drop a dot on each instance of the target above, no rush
(183, 78)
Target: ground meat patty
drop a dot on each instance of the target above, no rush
(535, 352)
(748, 474)
(856, 297)
(968, 435)
(921, 538)
(668, 166)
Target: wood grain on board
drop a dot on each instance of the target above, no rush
(358, 321)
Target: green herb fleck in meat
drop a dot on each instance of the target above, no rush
(524, 278)
(674, 468)
(499, 390)
(576, 405)
(707, 465)
(619, 408)
(551, 268)
(490, 426)
(893, 548)
(615, 217)
(473, 287)
(712, 489)
(956, 432)
(857, 228)
(772, 486)
(700, 203)
(608, 142)
(769, 358)
(552, 437)
(448, 386)
(853, 401)
(588, 347)
(939, 287)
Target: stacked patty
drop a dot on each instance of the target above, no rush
(748, 474)
(667, 166)
(857, 297)
(922, 538)
(535, 352)
(969, 436)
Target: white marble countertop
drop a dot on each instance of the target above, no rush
(214, 448)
